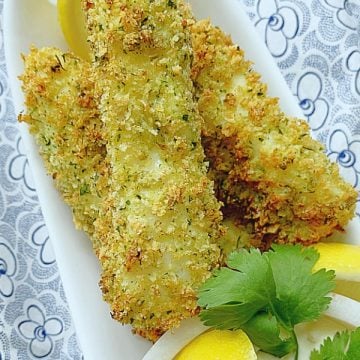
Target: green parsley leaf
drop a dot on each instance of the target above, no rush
(264, 330)
(344, 346)
(300, 294)
(242, 274)
(266, 295)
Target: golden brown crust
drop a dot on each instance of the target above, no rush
(122, 139)
(160, 222)
(271, 175)
(62, 113)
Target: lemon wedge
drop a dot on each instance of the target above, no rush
(193, 340)
(72, 21)
(219, 345)
(343, 258)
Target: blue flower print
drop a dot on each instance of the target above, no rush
(19, 169)
(7, 270)
(346, 154)
(277, 25)
(347, 11)
(40, 237)
(315, 108)
(39, 331)
(353, 65)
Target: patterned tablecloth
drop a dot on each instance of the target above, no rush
(316, 44)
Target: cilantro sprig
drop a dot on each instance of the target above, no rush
(344, 346)
(266, 295)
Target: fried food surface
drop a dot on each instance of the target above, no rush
(63, 116)
(172, 219)
(160, 223)
(121, 138)
(272, 176)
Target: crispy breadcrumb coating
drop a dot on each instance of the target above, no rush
(271, 175)
(160, 222)
(63, 116)
(133, 163)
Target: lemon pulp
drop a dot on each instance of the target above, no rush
(345, 260)
(219, 345)
(72, 21)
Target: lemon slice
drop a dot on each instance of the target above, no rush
(72, 21)
(343, 258)
(219, 345)
(193, 340)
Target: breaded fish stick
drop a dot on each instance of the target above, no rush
(267, 169)
(63, 116)
(160, 223)
(157, 213)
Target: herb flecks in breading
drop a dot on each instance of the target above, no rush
(63, 115)
(160, 222)
(272, 176)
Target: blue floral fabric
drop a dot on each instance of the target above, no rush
(315, 43)
(35, 322)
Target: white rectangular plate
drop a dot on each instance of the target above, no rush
(28, 22)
